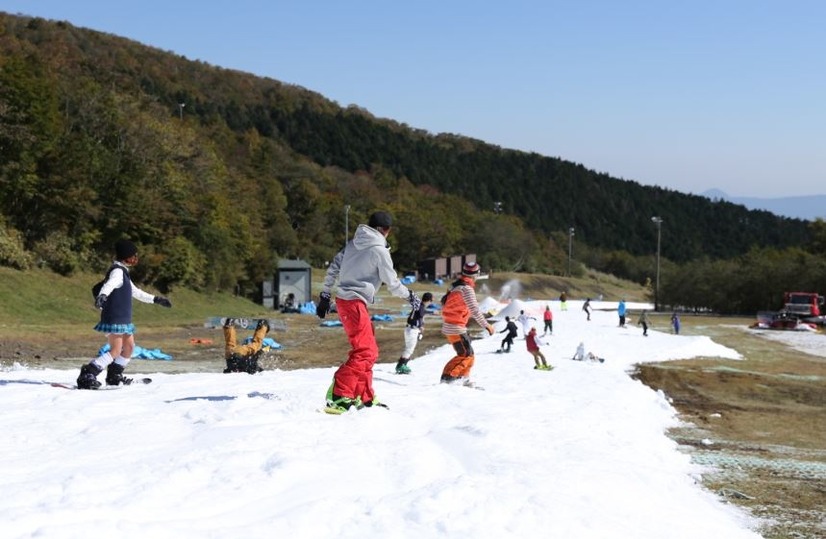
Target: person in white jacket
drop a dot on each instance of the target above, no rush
(360, 269)
(525, 320)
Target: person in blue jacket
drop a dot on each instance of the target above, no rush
(621, 313)
(675, 323)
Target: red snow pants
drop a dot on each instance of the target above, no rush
(355, 377)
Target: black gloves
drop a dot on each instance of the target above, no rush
(323, 305)
(162, 301)
(414, 300)
(100, 300)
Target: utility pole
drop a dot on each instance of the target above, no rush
(659, 222)
(570, 248)
(346, 224)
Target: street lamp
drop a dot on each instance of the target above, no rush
(181, 110)
(570, 245)
(497, 208)
(346, 224)
(659, 222)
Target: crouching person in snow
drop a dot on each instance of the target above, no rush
(532, 342)
(243, 358)
(459, 305)
(115, 302)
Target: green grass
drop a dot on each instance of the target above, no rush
(42, 299)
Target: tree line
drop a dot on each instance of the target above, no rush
(217, 174)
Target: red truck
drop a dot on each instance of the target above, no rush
(803, 304)
(799, 309)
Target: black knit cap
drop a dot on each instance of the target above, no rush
(124, 249)
(380, 219)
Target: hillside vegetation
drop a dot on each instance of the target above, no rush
(217, 174)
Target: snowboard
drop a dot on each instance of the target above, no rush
(244, 323)
(104, 387)
(334, 410)
(548, 368)
(471, 385)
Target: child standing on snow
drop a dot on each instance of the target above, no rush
(413, 333)
(643, 321)
(532, 341)
(675, 323)
(587, 308)
(115, 303)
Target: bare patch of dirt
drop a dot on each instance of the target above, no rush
(759, 427)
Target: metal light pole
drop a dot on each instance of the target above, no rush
(570, 246)
(659, 222)
(346, 224)
(181, 110)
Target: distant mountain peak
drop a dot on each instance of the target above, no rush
(807, 208)
(715, 194)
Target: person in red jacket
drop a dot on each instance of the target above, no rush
(533, 343)
(459, 305)
(548, 317)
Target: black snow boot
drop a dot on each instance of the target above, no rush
(233, 364)
(114, 375)
(88, 377)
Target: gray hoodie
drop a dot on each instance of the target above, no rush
(362, 266)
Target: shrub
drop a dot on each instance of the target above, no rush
(57, 253)
(12, 252)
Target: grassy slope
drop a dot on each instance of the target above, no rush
(41, 298)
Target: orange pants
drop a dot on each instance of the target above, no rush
(462, 362)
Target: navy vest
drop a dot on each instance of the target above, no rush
(118, 308)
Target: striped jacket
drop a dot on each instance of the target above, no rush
(459, 306)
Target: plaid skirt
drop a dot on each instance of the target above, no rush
(117, 329)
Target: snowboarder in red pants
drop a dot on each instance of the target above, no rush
(360, 269)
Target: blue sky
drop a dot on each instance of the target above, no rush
(727, 94)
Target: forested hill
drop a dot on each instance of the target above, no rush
(219, 172)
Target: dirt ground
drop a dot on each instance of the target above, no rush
(760, 424)
(305, 344)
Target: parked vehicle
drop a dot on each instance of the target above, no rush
(801, 311)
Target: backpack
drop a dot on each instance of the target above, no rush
(96, 288)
